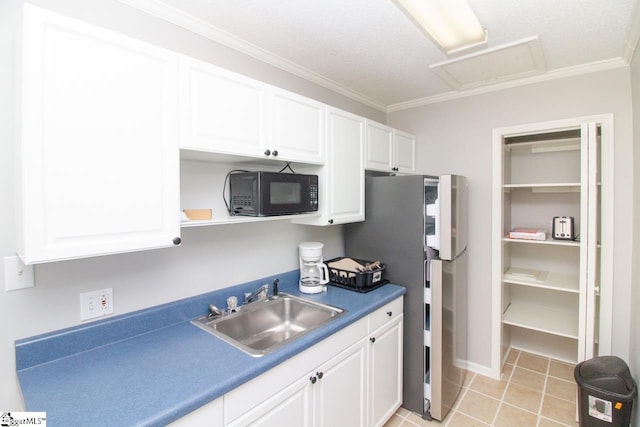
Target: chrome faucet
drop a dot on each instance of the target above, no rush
(214, 311)
(259, 294)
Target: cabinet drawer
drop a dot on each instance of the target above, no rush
(385, 314)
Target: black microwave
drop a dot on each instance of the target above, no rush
(272, 193)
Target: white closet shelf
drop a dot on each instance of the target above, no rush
(542, 318)
(552, 187)
(544, 146)
(552, 281)
(544, 242)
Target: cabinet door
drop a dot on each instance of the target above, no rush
(221, 111)
(345, 195)
(379, 147)
(385, 371)
(342, 178)
(290, 407)
(341, 389)
(99, 141)
(404, 152)
(297, 127)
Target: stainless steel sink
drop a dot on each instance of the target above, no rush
(263, 326)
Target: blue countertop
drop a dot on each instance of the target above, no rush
(153, 366)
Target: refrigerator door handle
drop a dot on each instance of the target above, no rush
(452, 196)
(445, 198)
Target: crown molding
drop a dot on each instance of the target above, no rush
(633, 34)
(211, 32)
(550, 75)
(198, 26)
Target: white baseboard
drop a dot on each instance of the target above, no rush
(479, 369)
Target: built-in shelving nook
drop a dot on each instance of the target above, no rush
(552, 292)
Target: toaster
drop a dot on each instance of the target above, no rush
(563, 228)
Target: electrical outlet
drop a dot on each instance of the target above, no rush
(96, 303)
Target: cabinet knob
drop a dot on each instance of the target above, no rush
(313, 379)
(177, 241)
(372, 339)
(389, 313)
(267, 152)
(274, 153)
(320, 375)
(331, 221)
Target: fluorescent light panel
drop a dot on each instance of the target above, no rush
(451, 23)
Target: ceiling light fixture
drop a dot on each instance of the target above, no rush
(450, 23)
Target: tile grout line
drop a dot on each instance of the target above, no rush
(504, 393)
(544, 391)
(462, 395)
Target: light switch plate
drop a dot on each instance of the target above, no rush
(17, 275)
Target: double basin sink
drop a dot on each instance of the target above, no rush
(265, 325)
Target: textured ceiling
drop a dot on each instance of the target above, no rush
(370, 49)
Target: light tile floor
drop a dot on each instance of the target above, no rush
(534, 392)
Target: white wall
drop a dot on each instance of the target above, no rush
(634, 337)
(209, 258)
(455, 137)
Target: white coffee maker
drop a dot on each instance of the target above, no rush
(314, 275)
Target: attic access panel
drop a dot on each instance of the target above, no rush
(507, 62)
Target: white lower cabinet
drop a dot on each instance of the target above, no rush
(340, 391)
(333, 394)
(290, 407)
(385, 369)
(353, 378)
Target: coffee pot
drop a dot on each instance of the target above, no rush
(313, 273)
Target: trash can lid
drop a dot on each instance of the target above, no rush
(606, 373)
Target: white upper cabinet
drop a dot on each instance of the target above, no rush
(297, 126)
(389, 150)
(379, 147)
(226, 113)
(342, 178)
(99, 131)
(221, 111)
(404, 146)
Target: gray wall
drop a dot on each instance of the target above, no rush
(210, 258)
(455, 137)
(634, 338)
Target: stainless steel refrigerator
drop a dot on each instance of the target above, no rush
(417, 226)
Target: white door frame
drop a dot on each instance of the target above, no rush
(606, 222)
